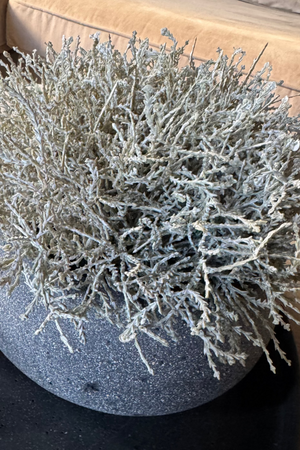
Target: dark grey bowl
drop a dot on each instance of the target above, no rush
(107, 375)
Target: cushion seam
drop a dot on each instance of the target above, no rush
(93, 26)
(26, 5)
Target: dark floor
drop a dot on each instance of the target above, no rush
(261, 412)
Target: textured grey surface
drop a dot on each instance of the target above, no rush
(107, 375)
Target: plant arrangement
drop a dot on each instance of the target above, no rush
(175, 187)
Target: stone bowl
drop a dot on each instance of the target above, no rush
(107, 375)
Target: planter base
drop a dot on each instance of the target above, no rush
(107, 375)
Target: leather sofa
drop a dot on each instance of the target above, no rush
(228, 24)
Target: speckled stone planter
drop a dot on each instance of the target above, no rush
(107, 375)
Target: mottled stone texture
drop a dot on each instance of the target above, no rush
(106, 375)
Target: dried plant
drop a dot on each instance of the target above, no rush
(176, 187)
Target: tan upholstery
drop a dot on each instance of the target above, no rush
(215, 23)
(287, 5)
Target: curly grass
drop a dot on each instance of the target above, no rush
(178, 188)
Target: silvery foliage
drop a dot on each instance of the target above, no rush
(177, 187)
